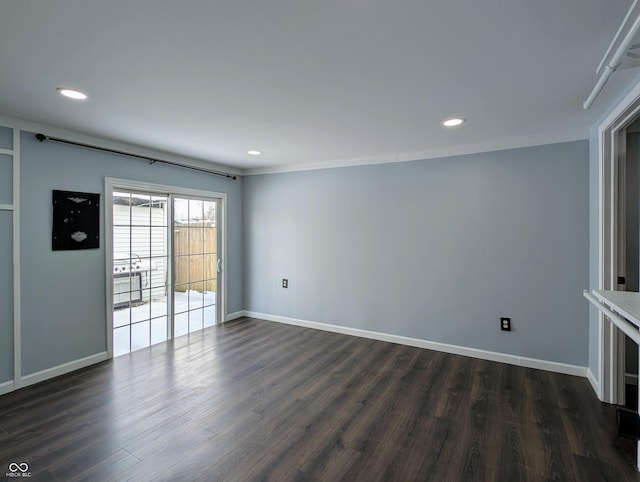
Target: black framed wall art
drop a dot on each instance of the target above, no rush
(76, 220)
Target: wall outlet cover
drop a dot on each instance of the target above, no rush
(505, 324)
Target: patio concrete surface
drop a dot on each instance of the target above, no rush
(146, 323)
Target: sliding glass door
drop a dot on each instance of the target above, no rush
(196, 262)
(166, 260)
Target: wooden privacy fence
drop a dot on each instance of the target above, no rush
(195, 257)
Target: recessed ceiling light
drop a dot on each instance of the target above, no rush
(254, 153)
(72, 93)
(454, 122)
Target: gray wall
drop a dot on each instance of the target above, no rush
(436, 249)
(63, 292)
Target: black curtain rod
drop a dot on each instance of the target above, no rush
(42, 138)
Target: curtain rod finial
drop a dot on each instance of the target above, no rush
(41, 137)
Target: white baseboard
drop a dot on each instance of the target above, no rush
(234, 316)
(62, 369)
(631, 379)
(595, 384)
(6, 387)
(430, 345)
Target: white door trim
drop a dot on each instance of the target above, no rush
(17, 328)
(14, 208)
(620, 153)
(608, 199)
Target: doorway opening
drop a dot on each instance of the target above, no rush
(629, 249)
(617, 256)
(618, 244)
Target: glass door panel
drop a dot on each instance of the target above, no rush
(195, 243)
(140, 270)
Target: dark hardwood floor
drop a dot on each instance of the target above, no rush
(254, 400)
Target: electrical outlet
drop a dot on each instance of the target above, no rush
(285, 283)
(505, 324)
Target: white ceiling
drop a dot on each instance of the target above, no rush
(310, 81)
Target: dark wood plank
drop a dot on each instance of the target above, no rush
(254, 400)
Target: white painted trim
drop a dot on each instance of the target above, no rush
(619, 116)
(594, 383)
(63, 369)
(17, 303)
(6, 207)
(624, 104)
(601, 372)
(601, 354)
(222, 226)
(513, 143)
(235, 316)
(630, 379)
(430, 345)
(6, 387)
(6, 152)
(171, 318)
(117, 145)
(108, 259)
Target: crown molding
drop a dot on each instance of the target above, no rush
(407, 156)
(477, 148)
